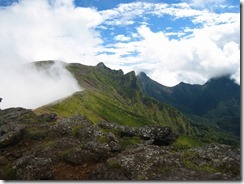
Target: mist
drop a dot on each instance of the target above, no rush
(28, 86)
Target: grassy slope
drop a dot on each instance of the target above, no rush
(112, 96)
(215, 104)
(99, 106)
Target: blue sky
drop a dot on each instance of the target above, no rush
(170, 40)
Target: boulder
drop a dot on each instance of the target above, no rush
(151, 162)
(101, 150)
(67, 126)
(11, 137)
(33, 168)
(13, 114)
(89, 133)
(143, 162)
(160, 135)
(91, 152)
(49, 117)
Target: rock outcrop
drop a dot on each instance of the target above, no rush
(159, 135)
(35, 147)
(33, 168)
(150, 162)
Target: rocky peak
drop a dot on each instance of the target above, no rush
(101, 65)
(142, 74)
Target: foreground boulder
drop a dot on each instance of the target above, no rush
(33, 168)
(159, 135)
(35, 147)
(144, 162)
(150, 162)
(11, 137)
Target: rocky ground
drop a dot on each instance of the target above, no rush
(35, 147)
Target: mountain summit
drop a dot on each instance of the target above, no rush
(118, 128)
(216, 103)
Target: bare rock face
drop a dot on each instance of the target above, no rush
(151, 162)
(14, 121)
(11, 133)
(67, 125)
(35, 147)
(33, 168)
(144, 162)
(159, 135)
(11, 137)
(14, 114)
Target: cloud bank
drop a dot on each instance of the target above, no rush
(30, 87)
(42, 30)
(207, 46)
(196, 43)
(53, 30)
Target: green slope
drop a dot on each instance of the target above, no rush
(98, 106)
(112, 96)
(215, 104)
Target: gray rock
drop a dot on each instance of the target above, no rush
(11, 137)
(115, 146)
(33, 168)
(150, 162)
(67, 125)
(89, 133)
(111, 137)
(143, 162)
(101, 150)
(161, 135)
(49, 117)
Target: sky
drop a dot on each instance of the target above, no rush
(171, 41)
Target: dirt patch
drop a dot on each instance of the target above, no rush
(64, 171)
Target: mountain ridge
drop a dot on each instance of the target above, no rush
(103, 85)
(217, 98)
(114, 96)
(112, 130)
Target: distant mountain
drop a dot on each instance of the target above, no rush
(215, 103)
(120, 128)
(111, 95)
(127, 99)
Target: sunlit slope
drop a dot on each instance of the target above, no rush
(111, 95)
(114, 96)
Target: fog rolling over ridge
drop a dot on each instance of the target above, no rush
(30, 86)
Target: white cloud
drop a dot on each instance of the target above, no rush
(44, 30)
(29, 87)
(38, 30)
(208, 52)
(125, 14)
(210, 4)
(197, 58)
(200, 53)
(56, 29)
